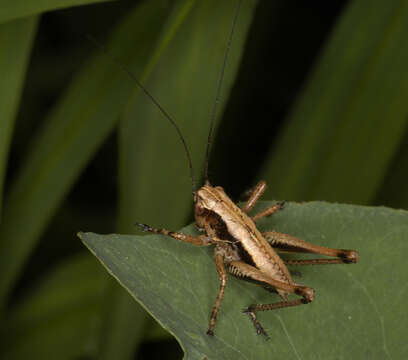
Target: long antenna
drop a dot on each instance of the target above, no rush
(217, 98)
(150, 96)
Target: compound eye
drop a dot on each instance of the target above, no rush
(199, 208)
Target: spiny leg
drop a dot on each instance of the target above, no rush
(201, 240)
(292, 244)
(222, 273)
(250, 310)
(240, 268)
(314, 261)
(254, 196)
(269, 211)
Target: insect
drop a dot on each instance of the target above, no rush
(239, 247)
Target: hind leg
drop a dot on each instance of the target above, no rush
(241, 268)
(288, 243)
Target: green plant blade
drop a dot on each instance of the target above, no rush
(13, 9)
(351, 117)
(63, 312)
(177, 283)
(16, 40)
(77, 126)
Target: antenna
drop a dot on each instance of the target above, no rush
(151, 97)
(217, 98)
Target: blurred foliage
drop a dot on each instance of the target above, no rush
(15, 9)
(317, 107)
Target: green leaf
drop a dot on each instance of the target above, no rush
(350, 119)
(124, 325)
(63, 311)
(16, 40)
(12, 9)
(357, 311)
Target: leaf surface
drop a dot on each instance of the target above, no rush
(177, 283)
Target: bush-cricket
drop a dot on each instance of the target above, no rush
(240, 248)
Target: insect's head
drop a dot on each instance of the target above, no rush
(206, 200)
(202, 205)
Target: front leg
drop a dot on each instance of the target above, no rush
(222, 273)
(201, 240)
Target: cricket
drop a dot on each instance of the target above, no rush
(240, 248)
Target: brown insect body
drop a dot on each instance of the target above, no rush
(240, 248)
(240, 228)
(244, 251)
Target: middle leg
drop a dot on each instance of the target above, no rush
(222, 273)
